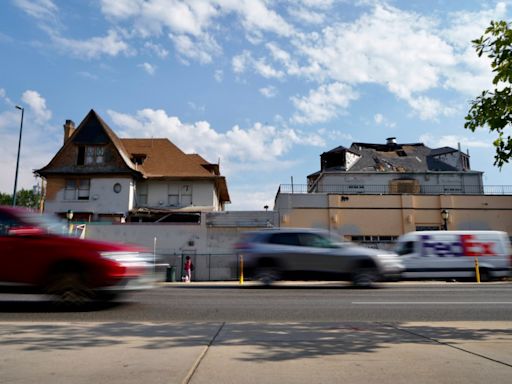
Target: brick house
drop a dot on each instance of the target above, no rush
(101, 177)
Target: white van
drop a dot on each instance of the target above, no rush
(451, 254)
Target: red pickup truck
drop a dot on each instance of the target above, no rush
(38, 256)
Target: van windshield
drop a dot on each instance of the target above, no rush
(404, 247)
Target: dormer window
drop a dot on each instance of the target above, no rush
(90, 154)
(138, 159)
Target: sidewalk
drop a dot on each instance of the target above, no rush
(121, 352)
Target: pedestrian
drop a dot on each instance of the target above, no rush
(188, 267)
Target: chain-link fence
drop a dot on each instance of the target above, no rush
(207, 266)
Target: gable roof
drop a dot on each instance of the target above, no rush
(97, 132)
(162, 159)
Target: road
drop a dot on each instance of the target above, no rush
(290, 302)
(205, 333)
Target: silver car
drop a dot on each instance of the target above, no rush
(309, 254)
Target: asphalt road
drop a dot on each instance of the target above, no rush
(287, 302)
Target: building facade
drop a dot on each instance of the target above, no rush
(101, 177)
(368, 168)
(373, 193)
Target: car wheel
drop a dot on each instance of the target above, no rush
(364, 277)
(69, 288)
(267, 276)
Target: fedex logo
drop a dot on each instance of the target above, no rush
(466, 245)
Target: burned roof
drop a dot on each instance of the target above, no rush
(390, 157)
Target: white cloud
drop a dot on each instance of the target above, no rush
(39, 140)
(239, 62)
(305, 15)
(429, 109)
(218, 76)
(39, 9)
(238, 147)
(269, 91)
(149, 68)
(157, 49)
(473, 73)
(453, 141)
(467, 26)
(201, 50)
(266, 70)
(110, 45)
(323, 103)
(188, 22)
(394, 48)
(246, 198)
(37, 105)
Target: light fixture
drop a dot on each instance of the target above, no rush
(445, 215)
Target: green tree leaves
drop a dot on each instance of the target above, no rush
(494, 108)
(24, 198)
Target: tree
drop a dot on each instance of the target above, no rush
(494, 108)
(24, 198)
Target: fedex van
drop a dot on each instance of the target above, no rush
(451, 254)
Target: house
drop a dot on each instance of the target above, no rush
(101, 177)
(395, 168)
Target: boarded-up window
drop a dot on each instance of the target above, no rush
(404, 186)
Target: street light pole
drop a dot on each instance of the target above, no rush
(18, 158)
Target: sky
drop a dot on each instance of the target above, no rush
(261, 86)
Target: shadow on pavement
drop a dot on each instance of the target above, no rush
(260, 342)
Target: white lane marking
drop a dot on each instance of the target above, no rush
(429, 302)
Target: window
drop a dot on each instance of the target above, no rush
(93, 154)
(405, 248)
(77, 189)
(173, 197)
(6, 223)
(81, 155)
(179, 196)
(138, 159)
(186, 195)
(142, 194)
(284, 239)
(314, 240)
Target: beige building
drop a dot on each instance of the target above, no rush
(373, 193)
(381, 218)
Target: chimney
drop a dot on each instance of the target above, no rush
(69, 128)
(391, 141)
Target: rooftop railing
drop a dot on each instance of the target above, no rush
(365, 189)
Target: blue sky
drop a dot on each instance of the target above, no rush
(263, 86)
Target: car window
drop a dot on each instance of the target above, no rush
(6, 222)
(284, 239)
(404, 248)
(314, 240)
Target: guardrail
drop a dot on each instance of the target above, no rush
(445, 189)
